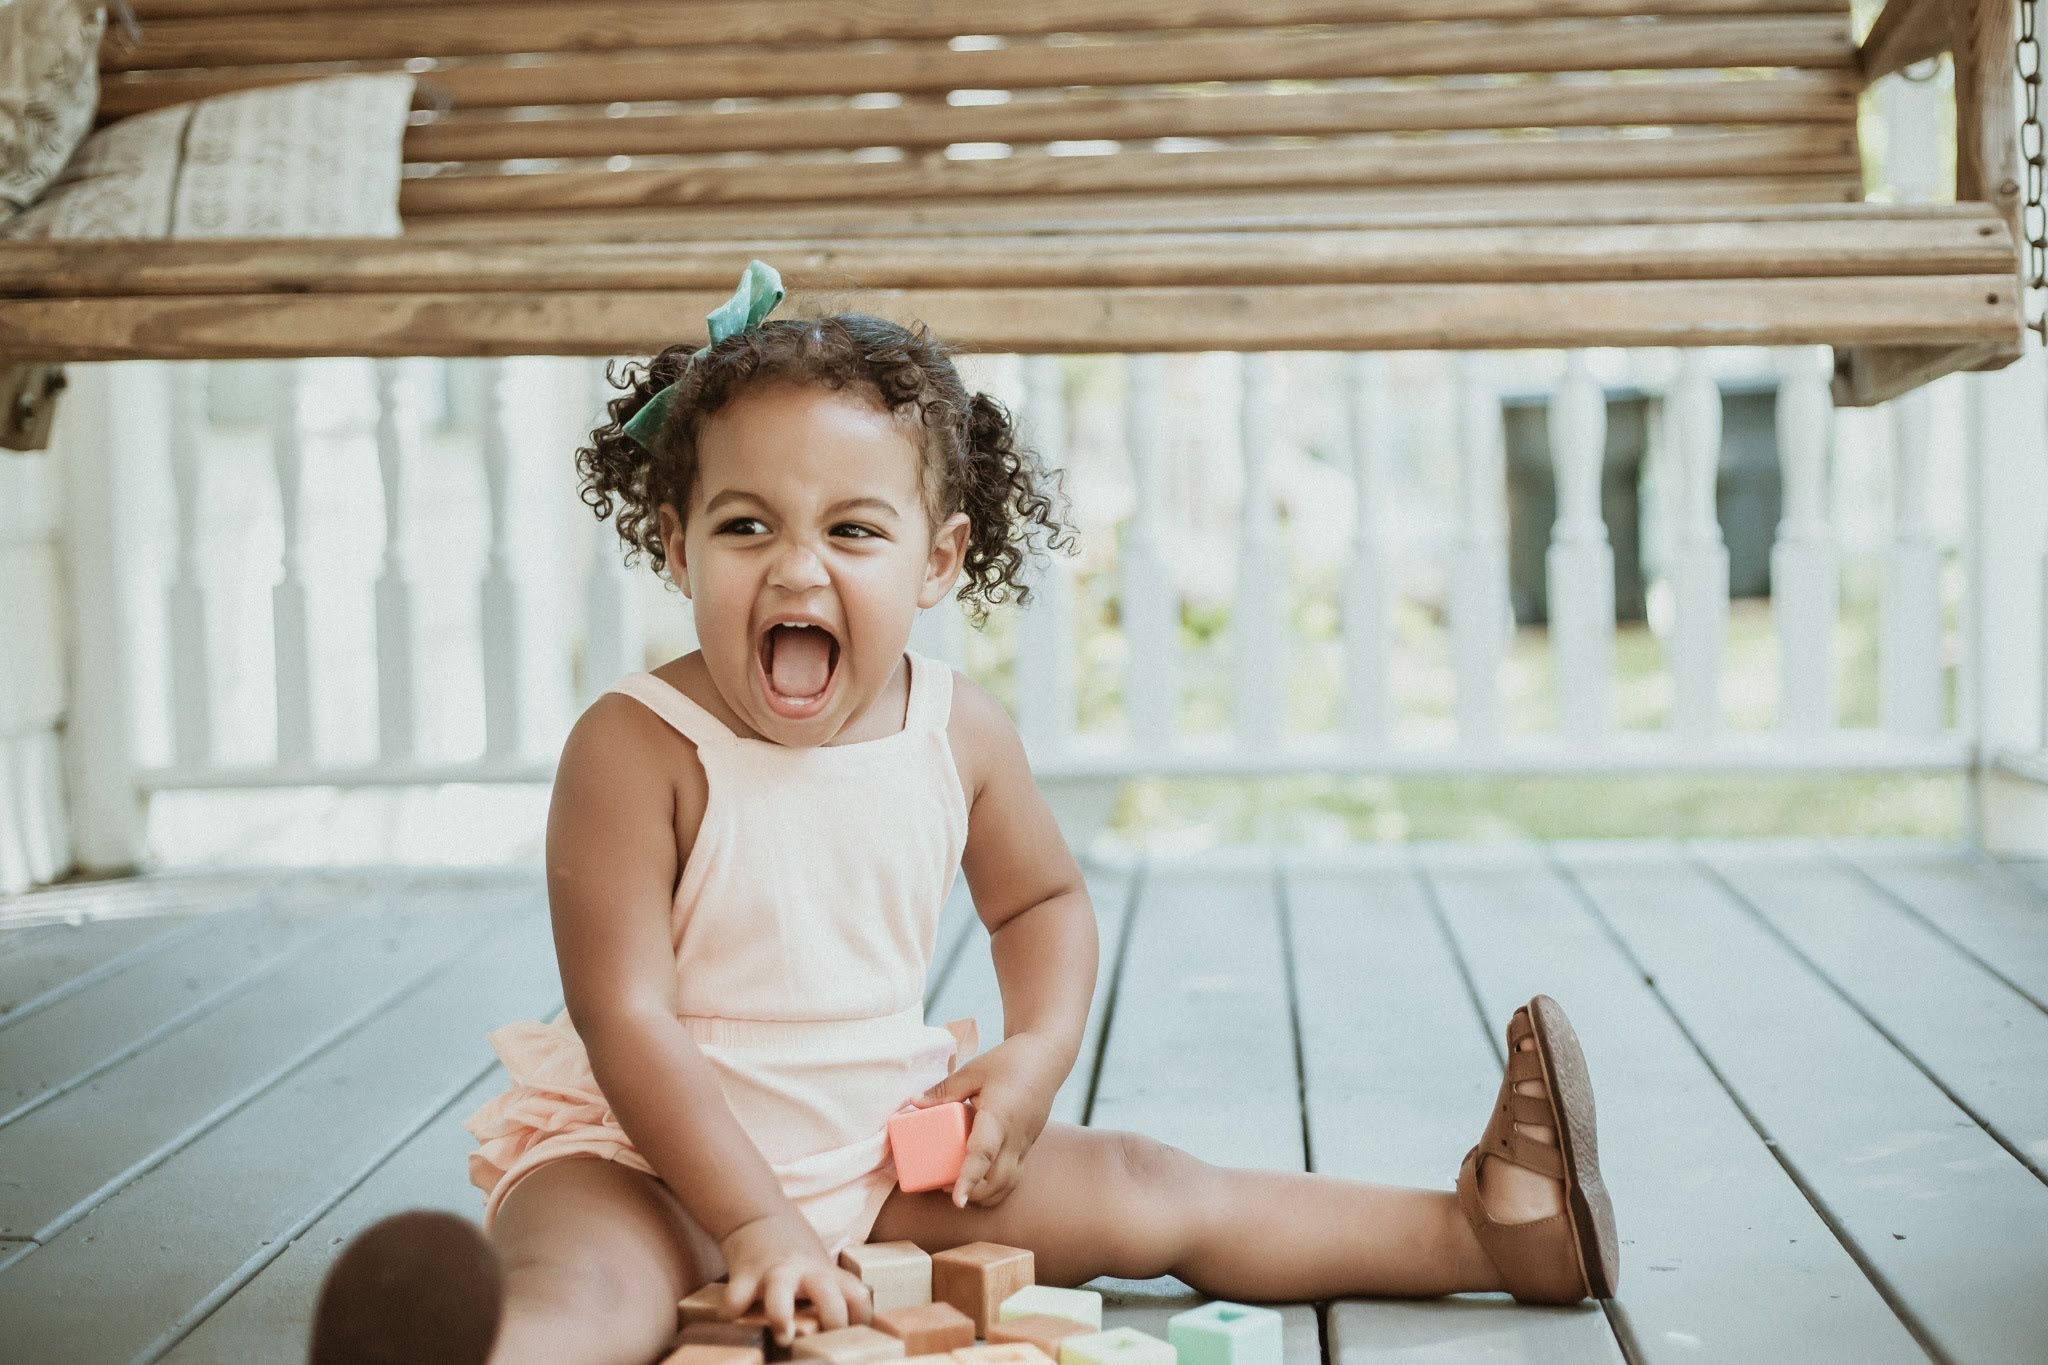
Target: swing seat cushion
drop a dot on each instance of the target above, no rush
(316, 158)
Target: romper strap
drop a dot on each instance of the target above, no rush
(931, 693)
(666, 700)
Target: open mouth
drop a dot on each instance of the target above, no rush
(798, 664)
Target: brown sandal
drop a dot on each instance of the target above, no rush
(1572, 1255)
(420, 1286)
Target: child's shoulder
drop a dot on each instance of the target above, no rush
(622, 738)
(984, 739)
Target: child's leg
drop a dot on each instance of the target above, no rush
(1091, 1202)
(595, 1256)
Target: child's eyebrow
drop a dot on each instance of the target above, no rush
(844, 504)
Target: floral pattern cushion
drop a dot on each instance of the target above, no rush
(49, 86)
(316, 158)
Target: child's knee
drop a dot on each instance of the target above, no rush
(587, 1301)
(1152, 1166)
(1161, 1186)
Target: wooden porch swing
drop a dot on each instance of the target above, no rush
(1104, 175)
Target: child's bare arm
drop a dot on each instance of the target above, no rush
(1030, 893)
(612, 867)
(1028, 890)
(613, 861)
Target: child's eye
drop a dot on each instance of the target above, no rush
(865, 533)
(739, 521)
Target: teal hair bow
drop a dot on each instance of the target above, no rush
(759, 291)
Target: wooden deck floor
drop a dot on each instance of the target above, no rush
(1822, 1073)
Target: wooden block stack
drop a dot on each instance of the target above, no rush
(929, 1310)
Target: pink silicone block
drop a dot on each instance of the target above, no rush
(929, 1145)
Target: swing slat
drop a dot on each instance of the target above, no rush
(1097, 175)
(1875, 310)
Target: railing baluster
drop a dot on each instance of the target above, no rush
(1258, 631)
(940, 630)
(1805, 578)
(50, 847)
(1045, 669)
(397, 447)
(1366, 612)
(500, 603)
(1479, 587)
(1909, 643)
(34, 843)
(1149, 605)
(616, 640)
(291, 632)
(185, 599)
(16, 874)
(1579, 568)
(1699, 636)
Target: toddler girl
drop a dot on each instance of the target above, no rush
(747, 851)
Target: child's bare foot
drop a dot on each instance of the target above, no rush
(420, 1286)
(1531, 1188)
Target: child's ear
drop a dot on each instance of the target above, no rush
(671, 529)
(949, 553)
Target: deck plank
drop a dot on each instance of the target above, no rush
(1986, 910)
(148, 1263)
(956, 925)
(1373, 952)
(65, 1156)
(270, 1317)
(1199, 1051)
(1401, 1074)
(147, 997)
(1984, 1043)
(1722, 1257)
(1903, 1173)
(46, 963)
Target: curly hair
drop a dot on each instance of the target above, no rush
(972, 461)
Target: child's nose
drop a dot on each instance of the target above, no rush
(797, 566)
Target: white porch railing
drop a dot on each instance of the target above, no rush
(484, 618)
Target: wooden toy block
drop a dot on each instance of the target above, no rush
(697, 1353)
(1080, 1305)
(928, 1145)
(704, 1304)
(898, 1274)
(1004, 1353)
(928, 1328)
(1038, 1329)
(1118, 1346)
(848, 1346)
(937, 1358)
(978, 1277)
(1226, 1334)
(802, 1324)
(716, 1333)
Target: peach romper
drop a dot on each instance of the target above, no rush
(803, 925)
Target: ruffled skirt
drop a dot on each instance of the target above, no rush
(814, 1095)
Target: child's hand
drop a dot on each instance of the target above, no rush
(1012, 1085)
(779, 1260)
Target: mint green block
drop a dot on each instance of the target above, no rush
(1118, 1346)
(1075, 1305)
(1225, 1334)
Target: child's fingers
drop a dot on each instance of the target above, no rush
(1002, 1174)
(778, 1301)
(739, 1294)
(828, 1299)
(860, 1300)
(972, 1169)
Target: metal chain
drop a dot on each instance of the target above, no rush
(2034, 217)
